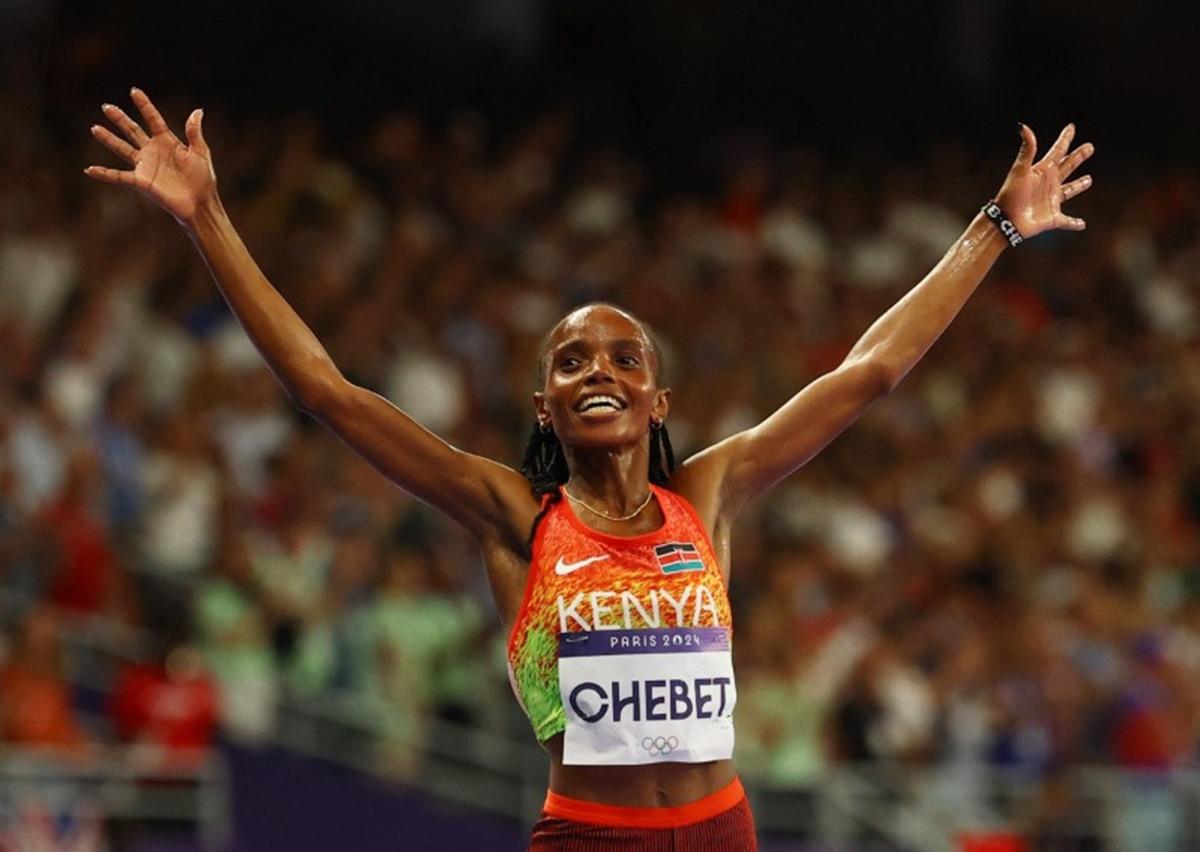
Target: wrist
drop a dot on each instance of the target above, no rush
(208, 211)
(1002, 222)
(984, 234)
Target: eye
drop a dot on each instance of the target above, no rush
(568, 363)
(628, 360)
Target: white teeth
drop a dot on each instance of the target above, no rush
(599, 401)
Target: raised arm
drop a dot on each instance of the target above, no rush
(744, 465)
(488, 498)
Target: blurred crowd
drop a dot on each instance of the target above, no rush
(997, 565)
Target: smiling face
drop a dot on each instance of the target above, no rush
(601, 387)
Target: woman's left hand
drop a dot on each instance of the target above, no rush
(1033, 193)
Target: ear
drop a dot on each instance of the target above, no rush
(662, 405)
(541, 410)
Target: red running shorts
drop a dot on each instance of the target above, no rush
(720, 822)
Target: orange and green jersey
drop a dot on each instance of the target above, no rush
(624, 642)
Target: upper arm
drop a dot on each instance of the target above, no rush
(488, 498)
(728, 474)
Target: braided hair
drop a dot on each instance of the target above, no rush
(545, 464)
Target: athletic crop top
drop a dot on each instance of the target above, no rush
(624, 643)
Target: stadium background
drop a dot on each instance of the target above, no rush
(974, 620)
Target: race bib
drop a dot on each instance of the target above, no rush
(647, 696)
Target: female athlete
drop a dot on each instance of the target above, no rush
(608, 564)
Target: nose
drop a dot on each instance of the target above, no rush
(599, 370)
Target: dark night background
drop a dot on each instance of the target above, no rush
(885, 75)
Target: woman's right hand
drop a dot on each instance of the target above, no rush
(179, 178)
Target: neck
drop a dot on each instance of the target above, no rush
(614, 480)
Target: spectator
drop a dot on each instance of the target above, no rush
(35, 700)
(168, 708)
(84, 577)
(233, 635)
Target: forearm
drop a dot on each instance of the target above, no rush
(897, 340)
(289, 347)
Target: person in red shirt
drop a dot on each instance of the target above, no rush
(84, 578)
(35, 701)
(169, 704)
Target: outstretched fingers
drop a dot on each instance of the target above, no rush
(195, 132)
(1028, 148)
(150, 113)
(1066, 164)
(1076, 158)
(1070, 190)
(1075, 187)
(1059, 149)
(115, 144)
(1069, 223)
(113, 176)
(132, 130)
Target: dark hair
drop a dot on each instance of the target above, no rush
(545, 465)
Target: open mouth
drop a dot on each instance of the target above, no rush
(599, 403)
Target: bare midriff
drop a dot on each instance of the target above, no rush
(655, 785)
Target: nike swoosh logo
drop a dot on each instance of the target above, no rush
(563, 568)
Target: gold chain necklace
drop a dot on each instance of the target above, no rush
(605, 515)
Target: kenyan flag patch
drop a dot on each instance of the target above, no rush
(675, 557)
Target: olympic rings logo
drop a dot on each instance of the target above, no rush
(660, 745)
